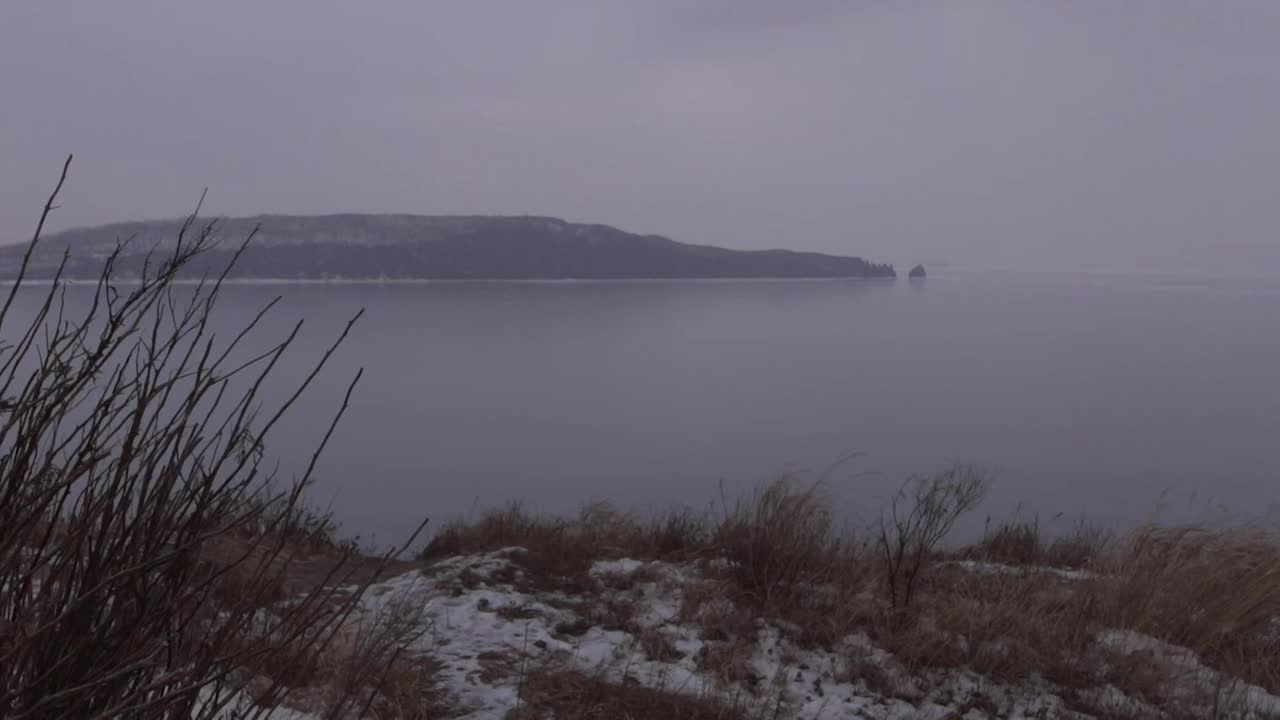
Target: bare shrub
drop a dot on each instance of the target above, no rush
(919, 517)
(144, 542)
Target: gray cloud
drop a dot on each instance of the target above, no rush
(1080, 135)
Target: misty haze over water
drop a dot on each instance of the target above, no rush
(1122, 398)
(1000, 137)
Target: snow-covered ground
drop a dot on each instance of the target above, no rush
(487, 631)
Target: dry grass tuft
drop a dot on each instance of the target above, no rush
(729, 662)
(657, 645)
(676, 536)
(779, 541)
(876, 676)
(1014, 543)
(363, 671)
(711, 606)
(1022, 543)
(1081, 548)
(508, 526)
(1216, 593)
(558, 553)
(1007, 626)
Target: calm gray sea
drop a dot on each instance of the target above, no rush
(1121, 398)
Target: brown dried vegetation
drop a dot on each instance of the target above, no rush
(774, 556)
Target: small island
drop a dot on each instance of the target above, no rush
(917, 273)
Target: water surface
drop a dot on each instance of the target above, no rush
(1125, 399)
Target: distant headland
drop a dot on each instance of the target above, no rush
(409, 247)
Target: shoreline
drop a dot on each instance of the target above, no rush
(460, 281)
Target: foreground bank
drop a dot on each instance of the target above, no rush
(764, 613)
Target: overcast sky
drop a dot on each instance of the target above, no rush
(1116, 135)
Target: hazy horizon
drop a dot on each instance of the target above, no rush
(1134, 137)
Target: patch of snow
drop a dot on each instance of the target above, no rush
(817, 683)
(486, 634)
(624, 566)
(990, 568)
(487, 630)
(1195, 677)
(1116, 703)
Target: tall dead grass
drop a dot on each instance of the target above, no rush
(559, 552)
(779, 541)
(1021, 542)
(1214, 592)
